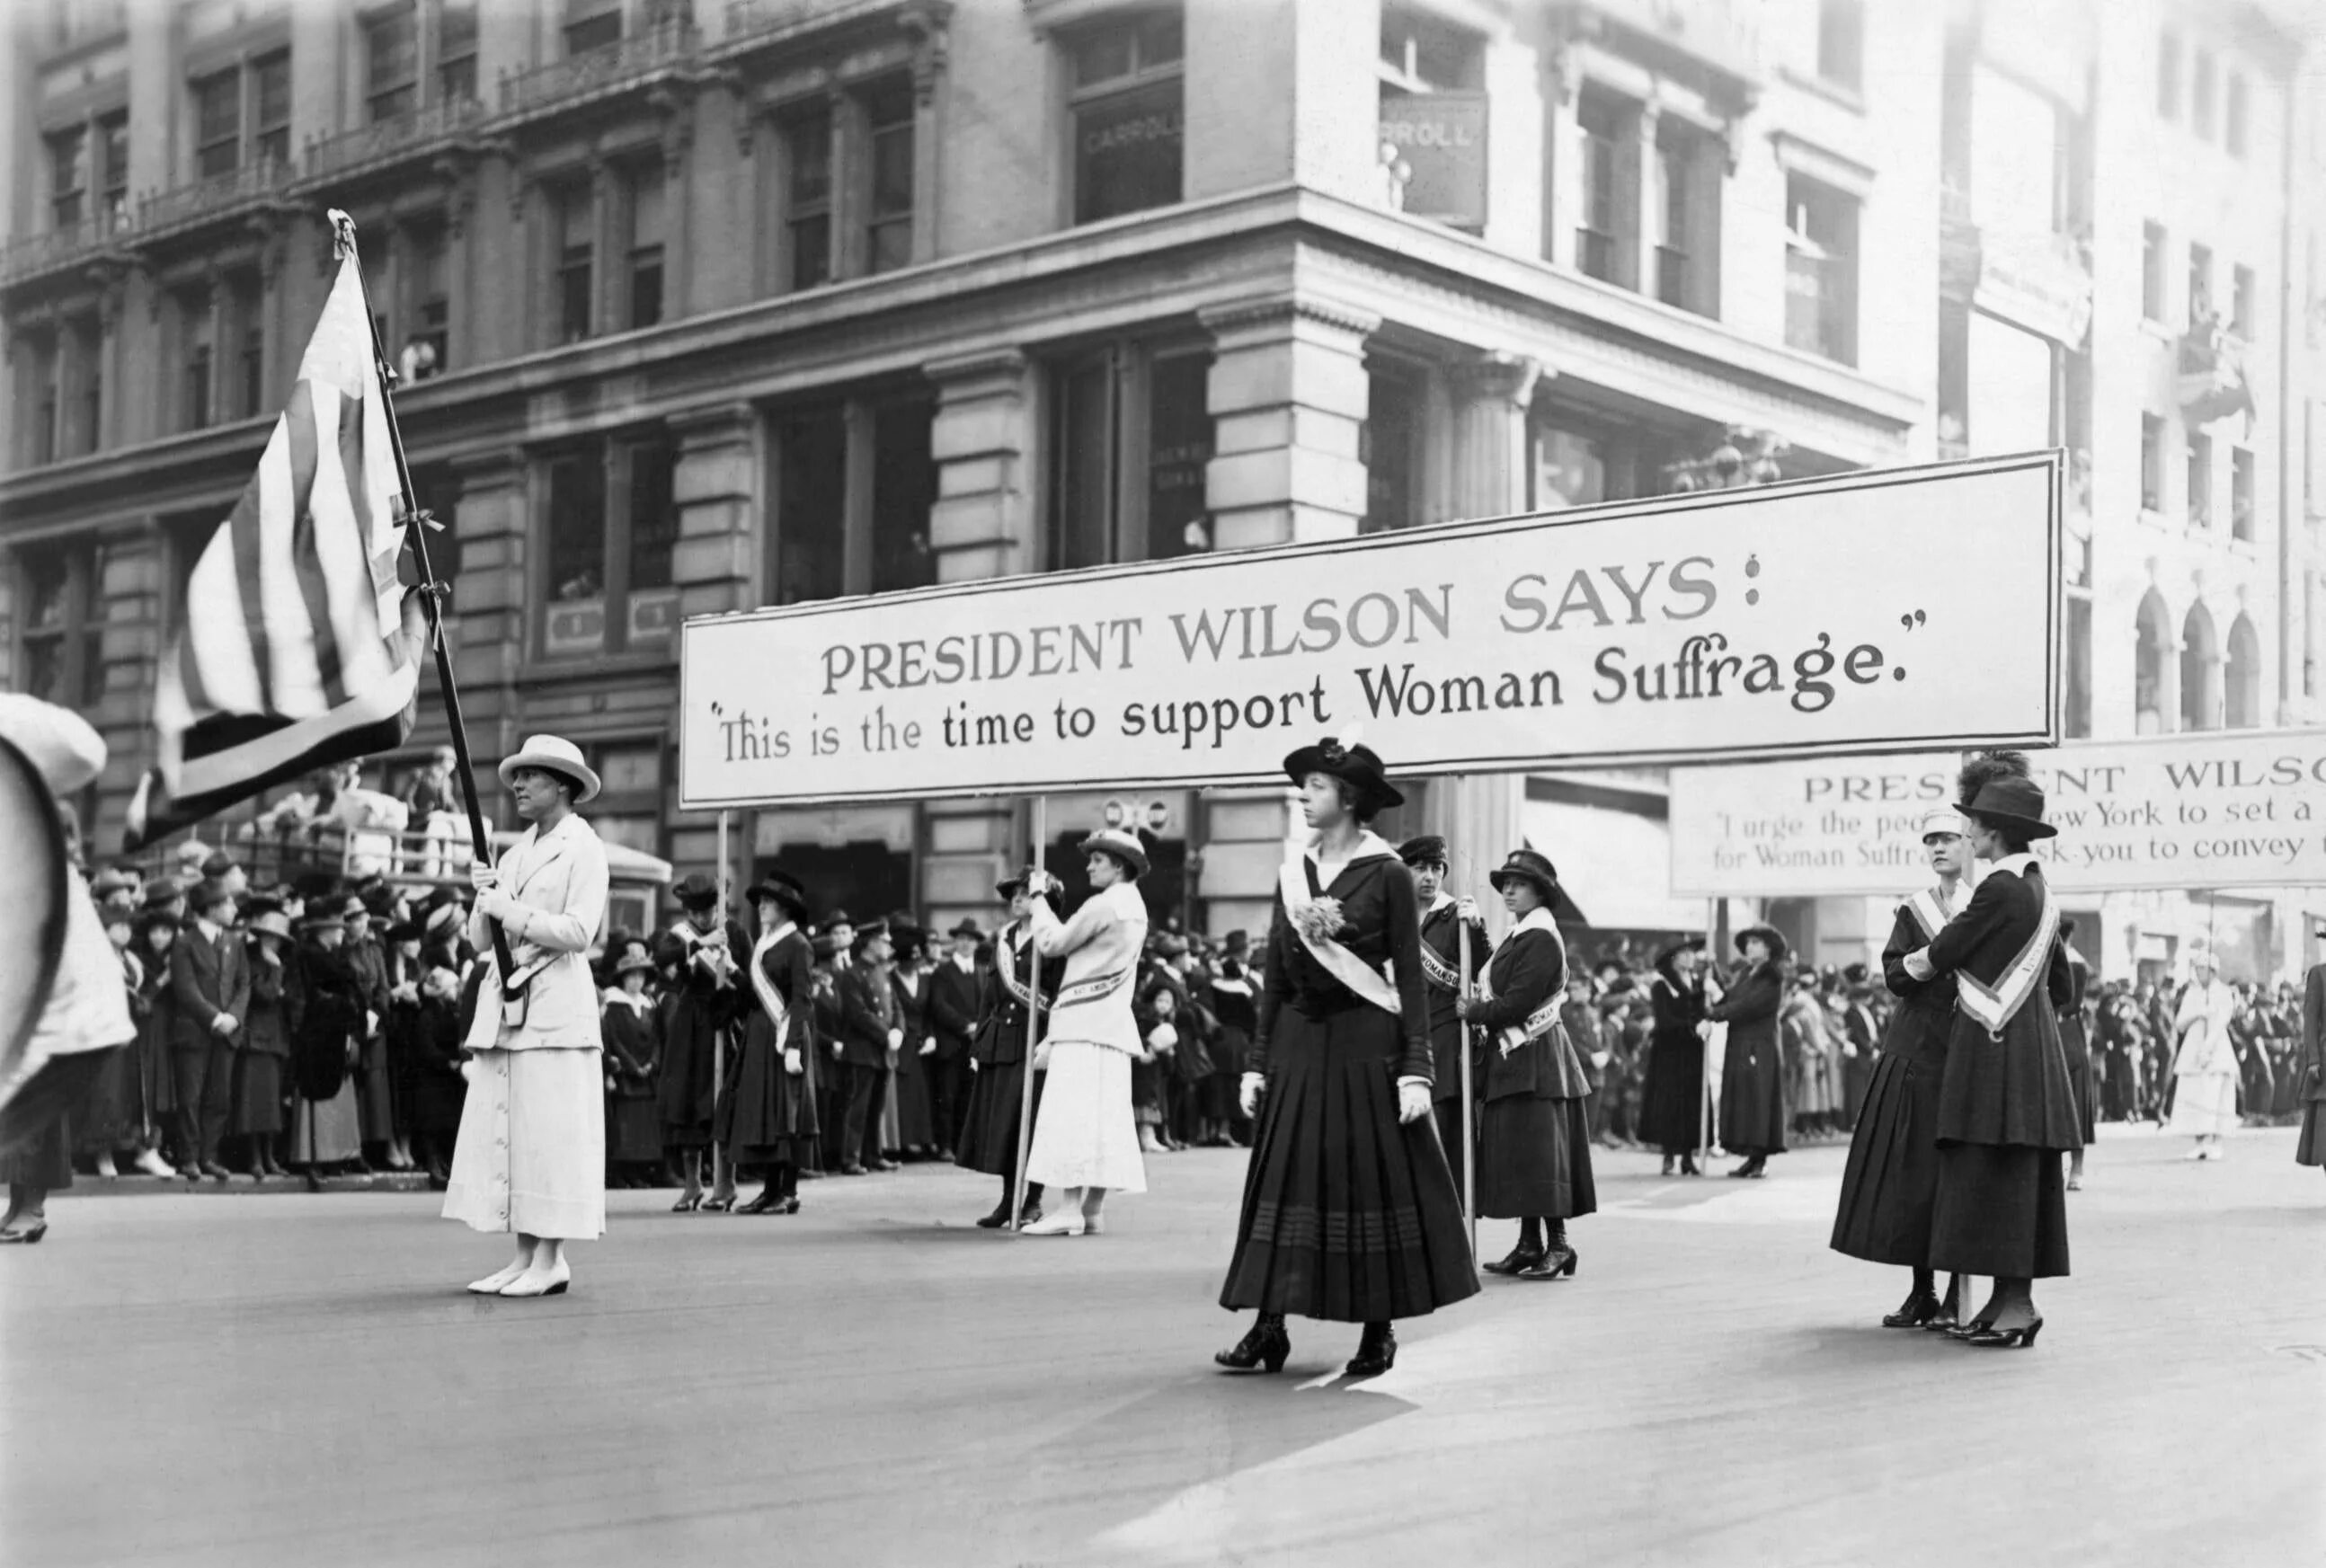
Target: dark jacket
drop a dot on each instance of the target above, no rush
(1381, 924)
(2009, 1088)
(327, 1021)
(950, 1009)
(1753, 1078)
(868, 1011)
(1441, 966)
(1001, 1024)
(207, 978)
(1527, 974)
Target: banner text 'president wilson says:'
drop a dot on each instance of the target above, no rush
(1876, 611)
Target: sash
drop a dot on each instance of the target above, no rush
(1928, 913)
(1091, 989)
(778, 1010)
(1543, 1019)
(1370, 984)
(1006, 967)
(1994, 1007)
(1437, 971)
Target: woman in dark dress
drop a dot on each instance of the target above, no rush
(1891, 1178)
(154, 934)
(2310, 1148)
(1671, 1102)
(1350, 1213)
(1752, 1078)
(997, 1053)
(2075, 1045)
(261, 1067)
(2006, 1111)
(767, 1116)
(439, 1090)
(631, 1030)
(706, 954)
(1534, 1131)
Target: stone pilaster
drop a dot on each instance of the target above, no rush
(1288, 394)
(981, 524)
(716, 562)
(487, 618)
(1491, 397)
(1562, 207)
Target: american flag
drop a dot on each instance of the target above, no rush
(300, 648)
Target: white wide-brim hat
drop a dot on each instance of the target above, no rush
(558, 754)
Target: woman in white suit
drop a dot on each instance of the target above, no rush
(531, 1157)
(2205, 1067)
(1085, 1137)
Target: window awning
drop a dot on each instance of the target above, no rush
(1614, 866)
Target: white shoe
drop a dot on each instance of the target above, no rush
(152, 1163)
(2197, 1154)
(105, 1166)
(541, 1281)
(1093, 1224)
(1067, 1223)
(491, 1284)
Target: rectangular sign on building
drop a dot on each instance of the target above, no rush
(1440, 138)
(2227, 809)
(1832, 616)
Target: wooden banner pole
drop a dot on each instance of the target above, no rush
(719, 1036)
(1704, 1046)
(1033, 1023)
(1469, 1104)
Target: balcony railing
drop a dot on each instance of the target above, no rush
(386, 139)
(59, 248)
(257, 180)
(641, 55)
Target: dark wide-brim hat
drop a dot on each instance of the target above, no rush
(1671, 950)
(162, 896)
(1009, 887)
(1122, 845)
(2013, 803)
(1359, 766)
(1529, 867)
(1236, 941)
(866, 933)
(968, 928)
(1423, 849)
(784, 890)
(1778, 948)
(697, 889)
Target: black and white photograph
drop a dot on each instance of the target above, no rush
(1143, 784)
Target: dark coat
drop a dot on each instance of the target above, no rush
(205, 978)
(1000, 1038)
(952, 1008)
(1925, 1014)
(1753, 1078)
(703, 1009)
(1383, 925)
(266, 1027)
(326, 1022)
(2313, 1035)
(1528, 972)
(1671, 1112)
(2008, 1090)
(868, 1011)
(1441, 939)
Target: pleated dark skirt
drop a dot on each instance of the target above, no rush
(767, 1115)
(1534, 1159)
(989, 1133)
(1670, 1117)
(2310, 1148)
(108, 1119)
(908, 1095)
(1753, 1111)
(1348, 1215)
(257, 1093)
(157, 1080)
(1891, 1178)
(2080, 1079)
(686, 1088)
(2001, 1211)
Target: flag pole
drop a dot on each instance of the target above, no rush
(1033, 1020)
(416, 525)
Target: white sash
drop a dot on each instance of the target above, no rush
(1994, 1007)
(1370, 984)
(1539, 1021)
(1006, 954)
(778, 1010)
(1091, 989)
(1929, 912)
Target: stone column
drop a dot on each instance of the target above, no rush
(716, 488)
(1288, 393)
(1635, 216)
(1562, 205)
(130, 647)
(932, 44)
(982, 522)
(489, 617)
(1492, 395)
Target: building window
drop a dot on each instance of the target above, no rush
(592, 24)
(811, 505)
(1841, 43)
(1687, 251)
(2152, 463)
(2201, 94)
(612, 523)
(201, 345)
(247, 302)
(577, 250)
(68, 177)
(807, 206)
(647, 189)
(855, 480)
(576, 525)
(87, 338)
(2201, 480)
(2241, 301)
(628, 811)
(1126, 113)
(1131, 441)
(2241, 494)
(218, 124)
(652, 520)
(273, 94)
(392, 63)
(888, 230)
(2200, 284)
(2152, 271)
(2233, 126)
(48, 398)
(60, 638)
(1821, 270)
(456, 51)
(1601, 123)
(2168, 76)
(430, 341)
(904, 488)
(113, 148)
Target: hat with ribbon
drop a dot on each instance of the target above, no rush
(1529, 867)
(1121, 844)
(783, 889)
(1359, 766)
(554, 754)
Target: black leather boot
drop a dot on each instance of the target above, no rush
(1266, 1347)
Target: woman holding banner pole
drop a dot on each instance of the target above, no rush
(1350, 1211)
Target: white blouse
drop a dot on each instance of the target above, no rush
(1103, 941)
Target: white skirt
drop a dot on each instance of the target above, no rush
(531, 1155)
(1085, 1136)
(2204, 1102)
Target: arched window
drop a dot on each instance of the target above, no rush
(2152, 648)
(2241, 681)
(2200, 671)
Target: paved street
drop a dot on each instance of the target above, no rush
(252, 1381)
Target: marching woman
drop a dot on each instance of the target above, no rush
(2075, 1044)
(2204, 1062)
(1752, 1079)
(1534, 1133)
(997, 1052)
(1349, 1213)
(1443, 920)
(1671, 1102)
(531, 1155)
(1891, 1178)
(1085, 1137)
(2006, 1111)
(2310, 1148)
(766, 1117)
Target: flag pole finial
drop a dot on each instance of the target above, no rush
(343, 234)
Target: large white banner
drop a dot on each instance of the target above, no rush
(2228, 809)
(1873, 611)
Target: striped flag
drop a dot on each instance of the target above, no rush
(300, 648)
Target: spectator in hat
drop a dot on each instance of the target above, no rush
(911, 1124)
(153, 937)
(375, 1092)
(705, 953)
(1671, 1111)
(209, 980)
(1236, 1008)
(327, 1029)
(952, 1015)
(633, 1036)
(2204, 1062)
(871, 1031)
(261, 1068)
(221, 866)
(191, 856)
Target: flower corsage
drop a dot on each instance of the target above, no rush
(1320, 920)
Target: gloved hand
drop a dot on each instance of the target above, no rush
(1248, 1094)
(792, 1062)
(1412, 1101)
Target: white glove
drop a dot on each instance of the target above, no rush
(792, 1062)
(495, 904)
(1467, 908)
(1042, 1057)
(929, 1047)
(896, 1038)
(483, 878)
(1248, 1092)
(1413, 1099)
